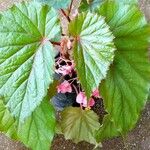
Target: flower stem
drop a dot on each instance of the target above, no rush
(64, 13)
(75, 89)
(70, 8)
(55, 43)
(81, 106)
(72, 80)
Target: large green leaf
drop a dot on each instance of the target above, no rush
(26, 55)
(56, 3)
(126, 87)
(7, 122)
(35, 132)
(79, 125)
(38, 130)
(93, 50)
(108, 129)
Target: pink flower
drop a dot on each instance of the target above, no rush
(96, 93)
(65, 70)
(64, 87)
(69, 44)
(91, 102)
(81, 99)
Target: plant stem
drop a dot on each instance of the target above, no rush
(81, 106)
(55, 43)
(75, 89)
(64, 13)
(63, 34)
(71, 6)
(72, 80)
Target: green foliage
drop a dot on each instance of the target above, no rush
(26, 56)
(33, 70)
(7, 122)
(93, 4)
(58, 4)
(90, 4)
(126, 87)
(38, 130)
(93, 49)
(79, 125)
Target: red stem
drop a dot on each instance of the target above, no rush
(81, 106)
(55, 43)
(70, 7)
(67, 17)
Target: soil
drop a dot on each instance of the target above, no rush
(138, 139)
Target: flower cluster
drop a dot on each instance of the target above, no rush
(65, 68)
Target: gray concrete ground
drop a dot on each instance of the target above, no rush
(138, 139)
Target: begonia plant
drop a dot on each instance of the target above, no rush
(60, 58)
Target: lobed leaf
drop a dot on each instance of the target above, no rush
(38, 130)
(125, 90)
(26, 55)
(79, 125)
(93, 50)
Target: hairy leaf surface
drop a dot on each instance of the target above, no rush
(79, 125)
(126, 87)
(26, 55)
(93, 50)
(38, 130)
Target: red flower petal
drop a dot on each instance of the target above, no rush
(81, 99)
(64, 87)
(91, 102)
(96, 93)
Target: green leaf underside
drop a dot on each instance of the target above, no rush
(126, 87)
(93, 50)
(26, 63)
(7, 121)
(79, 125)
(56, 3)
(38, 130)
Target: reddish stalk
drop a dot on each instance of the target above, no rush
(70, 8)
(81, 106)
(64, 13)
(56, 43)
